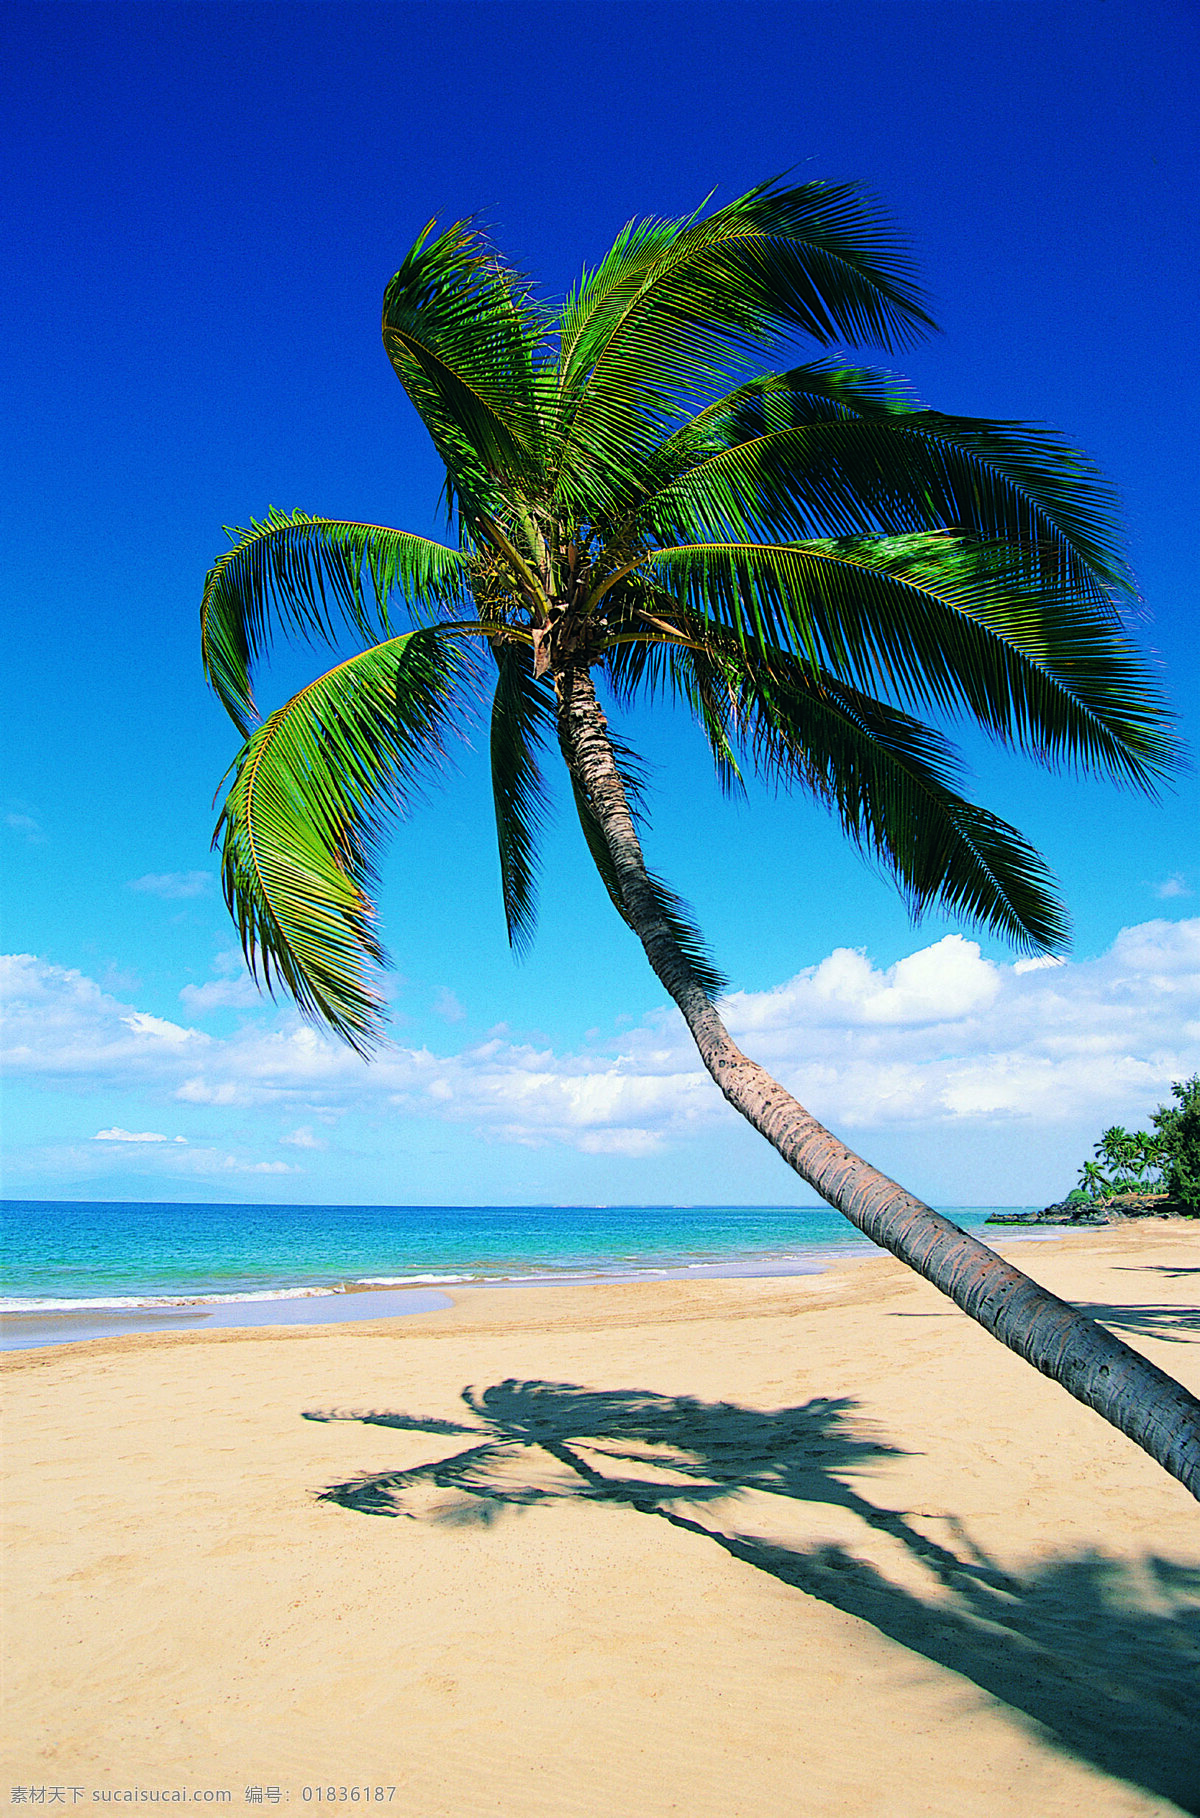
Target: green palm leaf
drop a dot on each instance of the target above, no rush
(894, 473)
(941, 620)
(312, 789)
(686, 673)
(462, 335)
(306, 576)
(677, 305)
(891, 783)
(820, 392)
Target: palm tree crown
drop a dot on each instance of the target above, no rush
(805, 558)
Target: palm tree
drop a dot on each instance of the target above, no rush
(1120, 1151)
(804, 558)
(1093, 1180)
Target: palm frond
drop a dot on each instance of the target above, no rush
(821, 391)
(892, 783)
(601, 294)
(461, 333)
(312, 789)
(306, 576)
(677, 306)
(891, 473)
(522, 716)
(942, 620)
(685, 673)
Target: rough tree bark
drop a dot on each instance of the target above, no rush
(1136, 1397)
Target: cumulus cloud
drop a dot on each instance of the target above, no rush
(1011, 1041)
(303, 1138)
(940, 984)
(172, 885)
(117, 1135)
(212, 1163)
(59, 1023)
(231, 989)
(943, 1039)
(220, 994)
(160, 1164)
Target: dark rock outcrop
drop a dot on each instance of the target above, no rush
(1094, 1211)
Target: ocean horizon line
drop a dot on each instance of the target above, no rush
(462, 1205)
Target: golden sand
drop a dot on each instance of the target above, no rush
(789, 1547)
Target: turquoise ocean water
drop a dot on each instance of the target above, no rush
(107, 1260)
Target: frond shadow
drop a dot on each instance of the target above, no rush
(1102, 1656)
(1176, 1325)
(1175, 1271)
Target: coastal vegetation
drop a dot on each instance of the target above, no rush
(800, 555)
(1160, 1165)
(1134, 1173)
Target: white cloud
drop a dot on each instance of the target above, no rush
(173, 885)
(938, 984)
(231, 989)
(592, 1101)
(1175, 885)
(160, 1164)
(1036, 1042)
(117, 1135)
(447, 1006)
(942, 1040)
(60, 1023)
(157, 1029)
(200, 1092)
(619, 1142)
(303, 1138)
(211, 1163)
(220, 994)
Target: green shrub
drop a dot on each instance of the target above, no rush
(1178, 1128)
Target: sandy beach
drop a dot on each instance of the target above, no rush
(811, 1546)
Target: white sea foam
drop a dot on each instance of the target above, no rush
(409, 1281)
(131, 1303)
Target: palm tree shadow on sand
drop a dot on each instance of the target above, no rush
(1103, 1657)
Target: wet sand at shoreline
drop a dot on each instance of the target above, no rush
(813, 1545)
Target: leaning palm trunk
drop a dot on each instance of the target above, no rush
(1142, 1401)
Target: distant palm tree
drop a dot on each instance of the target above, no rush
(1131, 1155)
(1093, 1180)
(799, 557)
(1118, 1148)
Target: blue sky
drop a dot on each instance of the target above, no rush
(205, 203)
